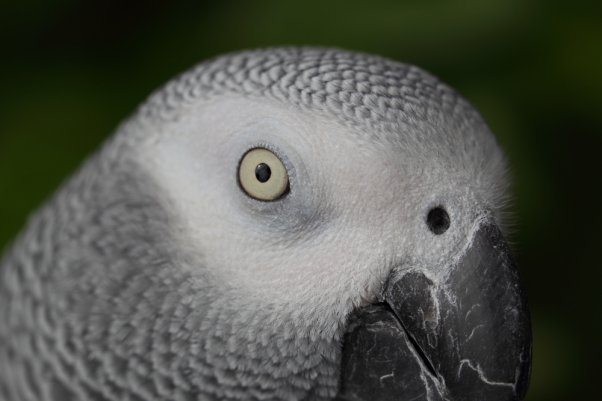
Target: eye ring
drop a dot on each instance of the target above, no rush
(438, 220)
(262, 175)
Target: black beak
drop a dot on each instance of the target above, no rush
(467, 337)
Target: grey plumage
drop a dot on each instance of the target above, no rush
(102, 299)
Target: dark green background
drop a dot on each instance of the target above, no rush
(71, 70)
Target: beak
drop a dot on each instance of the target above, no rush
(465, 337)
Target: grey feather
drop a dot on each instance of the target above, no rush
(101, 300)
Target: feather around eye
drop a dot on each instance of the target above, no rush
(262, 175)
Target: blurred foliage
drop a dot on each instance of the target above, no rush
(71, 70)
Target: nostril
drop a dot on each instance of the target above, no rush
(438, 220)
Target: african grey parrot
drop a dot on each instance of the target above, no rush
(277, 224)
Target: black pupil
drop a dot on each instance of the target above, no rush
(438, 220)
(263, 172)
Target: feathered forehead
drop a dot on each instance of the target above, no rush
(397, 105)
(355, 88)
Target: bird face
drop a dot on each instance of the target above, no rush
(284, 224)
(354, 208)
(369, 225)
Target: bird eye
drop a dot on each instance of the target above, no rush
(438, 220)
(262, 175)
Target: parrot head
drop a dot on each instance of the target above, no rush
(279, 224)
